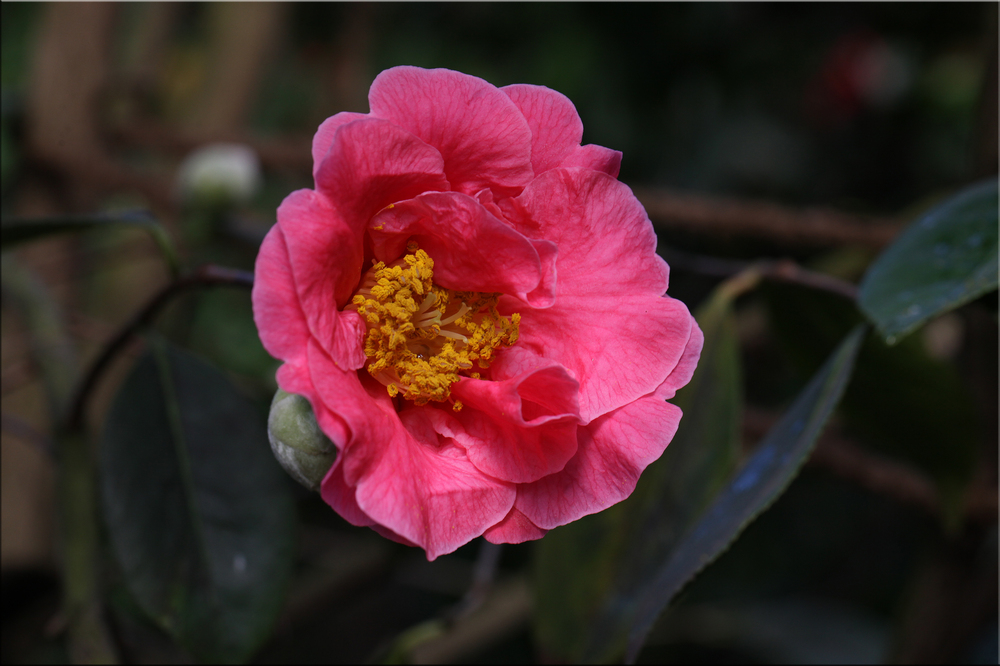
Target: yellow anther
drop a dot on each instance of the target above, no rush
(423, 338)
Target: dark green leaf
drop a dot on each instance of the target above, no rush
(759, 482)
(199, 513)
(945, 259)
(590, 572)
(17, 230)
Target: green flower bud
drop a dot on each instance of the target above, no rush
(297, 441)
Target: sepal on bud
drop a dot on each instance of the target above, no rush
(297, 441)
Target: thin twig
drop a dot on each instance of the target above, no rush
(806, 226)
(875, 473)
(206, 276)
(780, 270)
(879, 474)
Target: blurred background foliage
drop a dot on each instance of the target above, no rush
(807, 132)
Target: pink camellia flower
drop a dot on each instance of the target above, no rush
(473, 305)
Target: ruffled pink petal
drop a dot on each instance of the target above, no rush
(521, 428)
(325, 258)
(614, 450)
(472, 250)
(515, 528)
(685, 367)
(482, 135)
(372, 163)
(341, 499)
(556, 128)
(323, 138)
(610, 325)
(280, 322)
(595, 158)
(427, 491)
(405, 477)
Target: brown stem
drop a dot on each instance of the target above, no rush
(882, 475)
(206, 276)
(780, 270)
(805, 226)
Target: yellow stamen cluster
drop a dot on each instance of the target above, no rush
(421, 337)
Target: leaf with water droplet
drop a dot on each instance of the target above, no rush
(944, 260)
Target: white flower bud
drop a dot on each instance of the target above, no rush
(297, 441)
(219, 173)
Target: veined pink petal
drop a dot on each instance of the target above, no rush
(426, 490)
(324, 135)
(482, 135)
(614, 449)
(685, 367)
(280, 322)
(522, 427)
(325, 257)
(595, 158)
(341, 499)
(372, 163)
(610, 325)
(556, 128)
(406, 477)
(514, 528)
(472, 250)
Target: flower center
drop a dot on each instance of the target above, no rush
(423, 338)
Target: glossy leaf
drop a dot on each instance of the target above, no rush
(945, 259)
(590, 572)
(759, 482)
(199, 514)
(18, 230)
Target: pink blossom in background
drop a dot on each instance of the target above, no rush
(473, 305)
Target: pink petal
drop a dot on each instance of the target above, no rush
(482, 135)
(472, 250)
(406, 478)
(341, 498)
(325, 258)
(685, 367)
(427, 491)
(595, 158)
(372, 163)
(521, 428)
(609, 326)
(515, 528)
(281, 324)
(324, 135)
(614, 450)
(556, 128)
